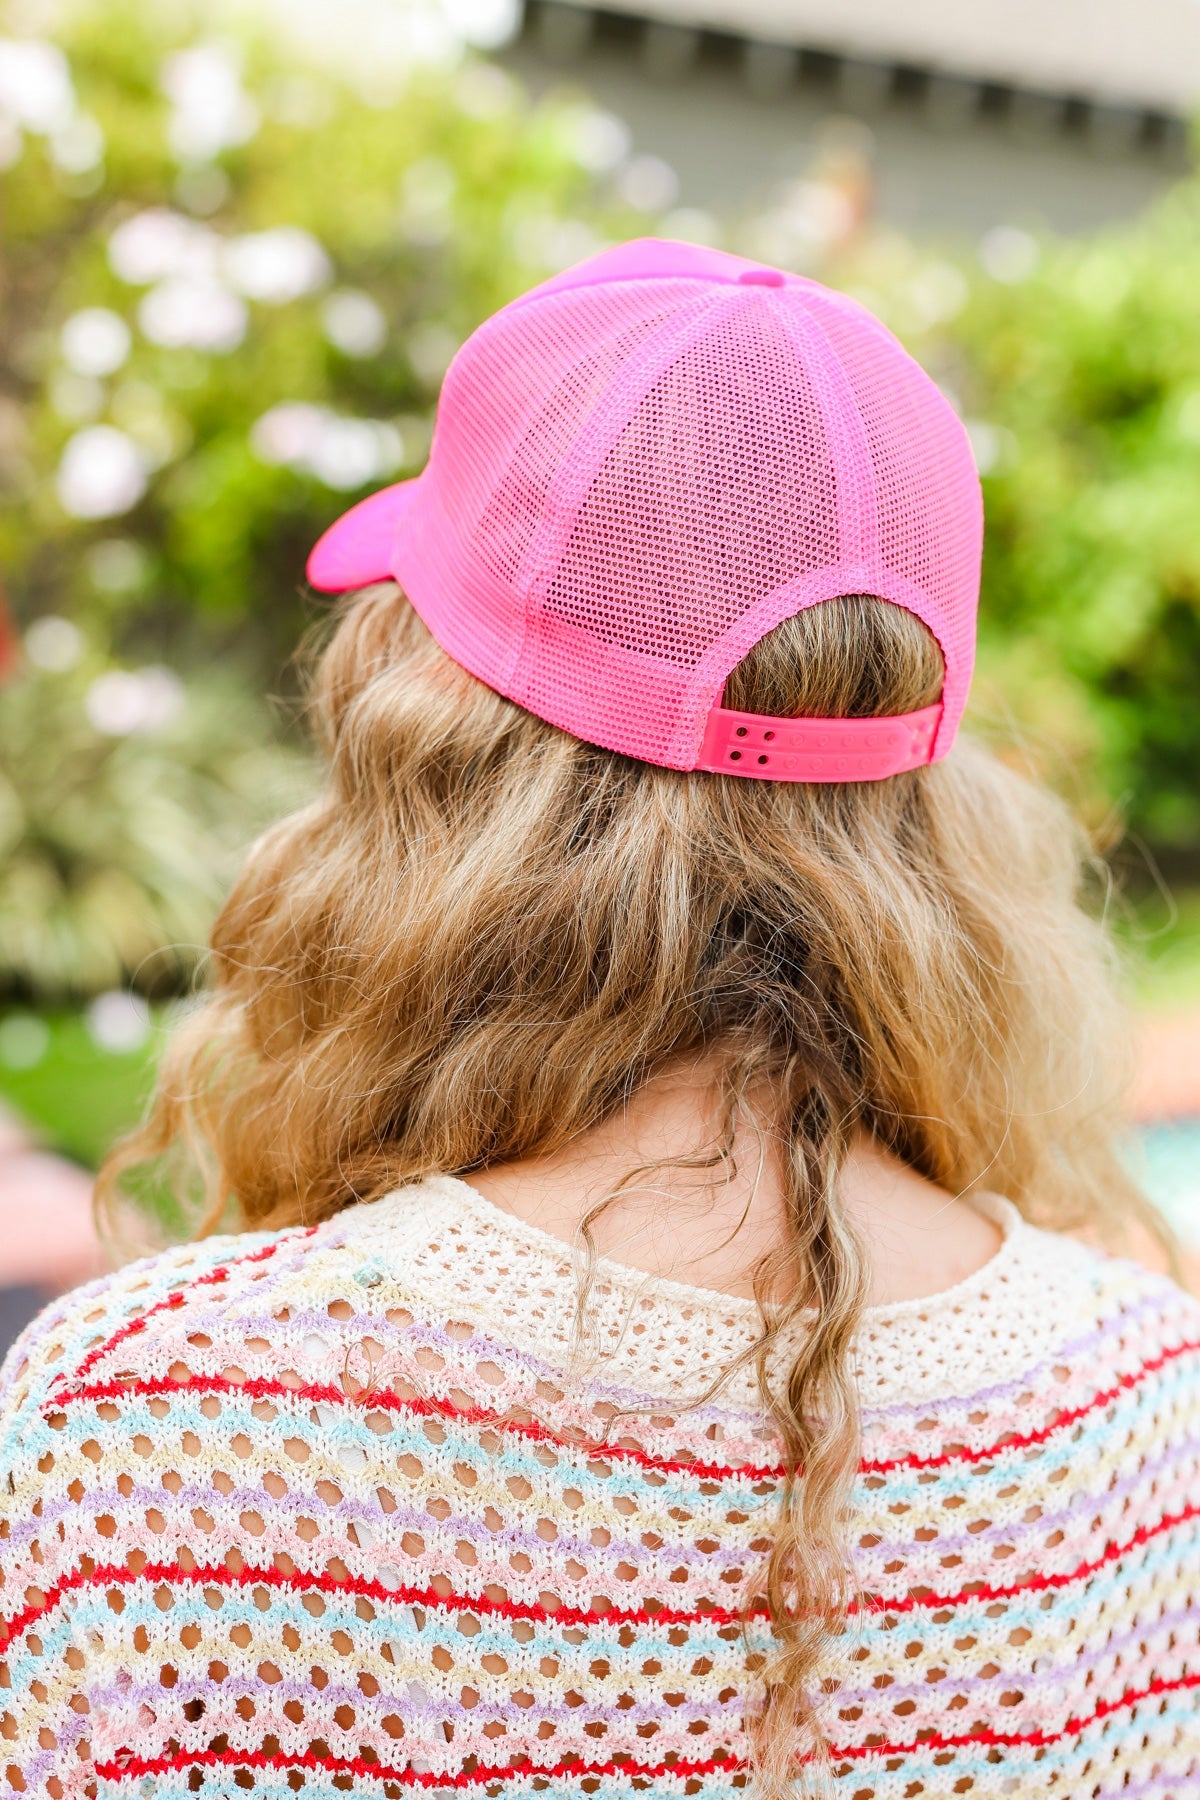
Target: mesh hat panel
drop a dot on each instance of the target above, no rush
(720, 488)
(929, 513)
(497, 477)
(643, 466)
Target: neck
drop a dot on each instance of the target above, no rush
(711, 1225)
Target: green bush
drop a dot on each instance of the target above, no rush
(232, 285)
(232, 281)
(1077, 364)
(126, 800)
(1090, 372)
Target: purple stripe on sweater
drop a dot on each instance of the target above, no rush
(1069, 1352)
(1010, 1678)
(68, 1730)
(422, 1335)
(525, 1364)
(458, 1525)
(1083, 1501)
(1158, 1787)
(128, 1693)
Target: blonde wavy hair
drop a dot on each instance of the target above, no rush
(484, 936)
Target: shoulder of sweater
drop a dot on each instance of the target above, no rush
(79, 1330)
(1046, 1292)
(134, 1308)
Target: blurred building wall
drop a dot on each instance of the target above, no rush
(960, 145)
(1144, 55)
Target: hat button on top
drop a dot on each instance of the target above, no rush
(761, 278)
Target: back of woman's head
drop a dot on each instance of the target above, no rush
(485, 935)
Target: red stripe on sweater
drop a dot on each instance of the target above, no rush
(137, 1767)
(261, 1387)
(1027, 1440)
(1036, 1584)
(218, 1575)
(1013, 1740)
(211, 1278)
(302, 1581)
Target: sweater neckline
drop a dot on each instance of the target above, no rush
(456, 1253)
(617, 1277)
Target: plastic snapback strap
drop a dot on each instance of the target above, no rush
(767, 749)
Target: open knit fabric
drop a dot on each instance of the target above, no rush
(340, 1509)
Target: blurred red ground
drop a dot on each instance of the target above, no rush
(1168, 1079)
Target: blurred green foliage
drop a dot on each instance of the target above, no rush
(394, 229)
(1076, 365)
(126, 800)
(1088, 372)
(231, 284)
(76, 1094)
(1160, 939)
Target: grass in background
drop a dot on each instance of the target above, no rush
(78, 1095)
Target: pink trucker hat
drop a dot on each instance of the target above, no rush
(642, 466)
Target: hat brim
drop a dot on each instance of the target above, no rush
(360, 546)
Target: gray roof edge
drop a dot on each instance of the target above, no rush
(1108, 52)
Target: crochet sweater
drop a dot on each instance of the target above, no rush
(346, 1509)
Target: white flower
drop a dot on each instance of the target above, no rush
(210, 109)
(599, 140)
(1008, 254)
(54, 644)
(119, 1022)
(162, 697)
(649, 184)
(353, 323)
(159, 242)
(277, 265)
(342, 453)
(352, 452)
(488, 24)
(195, 313)
(101, 473)
(123, 701)
(35, 85)
(985, 444)
(95, 341)
(287, 433)
(79, 146)
(545, 242)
